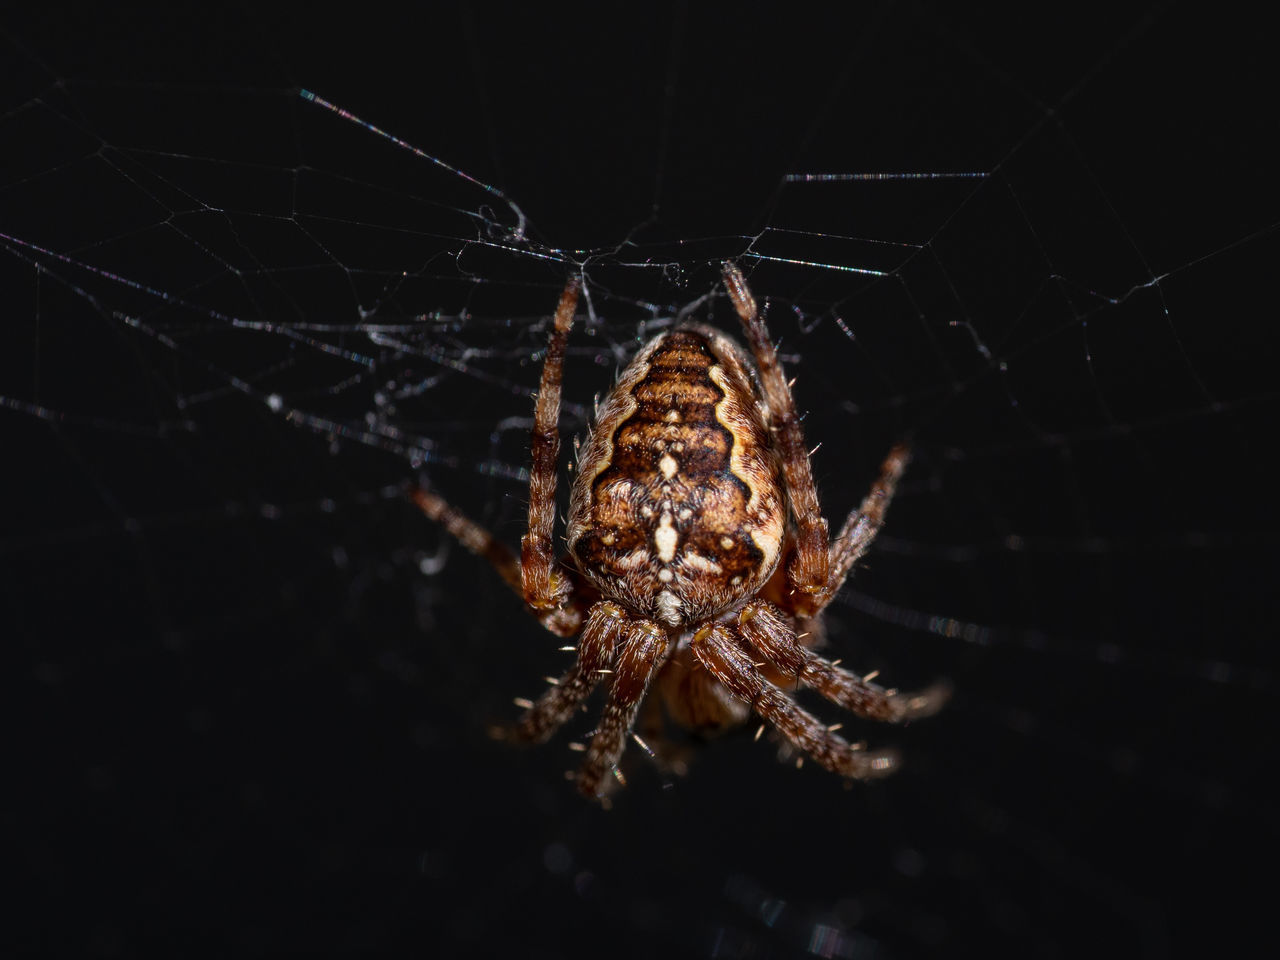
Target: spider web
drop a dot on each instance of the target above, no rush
(260, 274)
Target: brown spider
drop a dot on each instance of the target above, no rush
(700, 558)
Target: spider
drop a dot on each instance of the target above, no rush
(699, 561)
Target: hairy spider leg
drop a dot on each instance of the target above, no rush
(545, 587)
(640, 656)
(810, 561)
(862, 525)
(716, 650)
(766, 629)
(605, 629)
(563, 621)
(470, 534)
(546, 590)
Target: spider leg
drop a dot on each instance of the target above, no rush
(714, 647)
(862, 525)
(563, 621)
(605, 628)
(470, 534)
(764, 627)
(639, 658)
(810, 562)
(695, 700)
(545, 587)
(669, 757)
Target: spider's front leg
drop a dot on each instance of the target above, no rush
(605, 629)
(640, 656)
(768, 632)
(613, 644)
(716, 650)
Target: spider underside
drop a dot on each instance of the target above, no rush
(699, 561)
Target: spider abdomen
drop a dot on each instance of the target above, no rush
(678, 508)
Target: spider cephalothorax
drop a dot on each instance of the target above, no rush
(700, 561)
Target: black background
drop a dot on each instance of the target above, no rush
(247, 722)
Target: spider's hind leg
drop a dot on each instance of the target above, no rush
(810, 563)
(563, 621)
(545, 588)
(862, 525)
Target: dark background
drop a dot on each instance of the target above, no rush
(253, 687)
